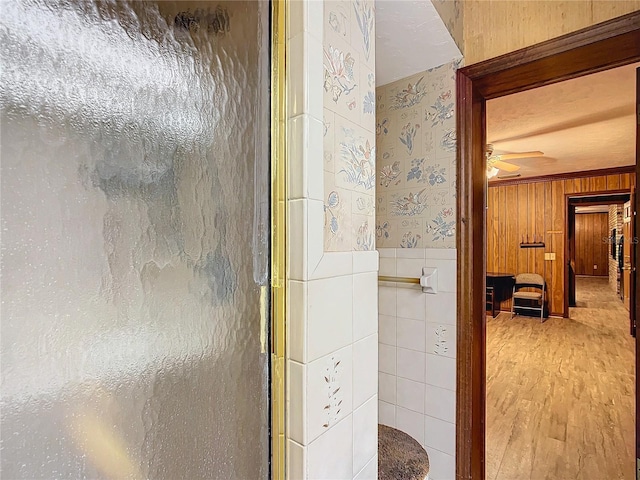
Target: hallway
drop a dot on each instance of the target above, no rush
(560, 395)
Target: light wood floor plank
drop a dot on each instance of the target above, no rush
(561, 394)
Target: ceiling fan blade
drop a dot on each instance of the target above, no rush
(507, 167)
(513, 156)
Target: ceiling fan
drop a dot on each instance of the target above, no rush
(495, 163)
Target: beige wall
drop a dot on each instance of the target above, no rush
(496, 27)
(349, 122)
(416, 160)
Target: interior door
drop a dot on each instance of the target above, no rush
(134, 180)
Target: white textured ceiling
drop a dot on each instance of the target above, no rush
(410, 38)
(582, 124)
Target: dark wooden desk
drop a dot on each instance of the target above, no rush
(499, 288)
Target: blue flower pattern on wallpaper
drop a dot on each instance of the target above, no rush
(368, 104)
(382, 127)
(426, 160)
(410, 204)
(415, 173)
(338, 73)
(350, 103)
(390, 174)
(382, 230)
(441, 110)
(408, 134)
(448, 140)
(333, 200)
(338, 23)
(443, 226)
(364, 240)
(410, 240)
(436, 174)
(365, 18)
(359, 162)
(408, 97)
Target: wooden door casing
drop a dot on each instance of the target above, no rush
(603, 46)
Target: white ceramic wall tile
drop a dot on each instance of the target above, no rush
(387, 301)
(365, 305)
(410, 422)
(306, 53)
(330, 312)
(314, 11)
(440, 435)
(297, 320)
(365, 434)
(315, 238)
(441, 308)
(417, 253)
(329, 396)
(297, 77)
(441, 371)
(387, 252)
(365, 262)
(332, 264)
(386, 413)
(331, 454)
(447, 274)
(441, 465)
(315, 79)
(440, 403)
(410, 395)
(365, 370)
(409, 267)
(411, 303)
(297, 130)
(411, 334)
(441, 339)
(296, 18)
(305, 158)
(297, 401)
(387, 329)
(302, 17)
(296, 461)
(370, 471)
(388, 266)
(410, 364)
(387, 359)
(440, 253)
(387, 387)
(297, 233)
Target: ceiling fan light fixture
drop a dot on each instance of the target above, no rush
(492, 172)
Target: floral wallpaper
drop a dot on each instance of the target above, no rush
(349, 125)
(416, 160)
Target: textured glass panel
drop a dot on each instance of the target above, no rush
(134, 243)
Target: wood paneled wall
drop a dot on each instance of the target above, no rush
(495, 27)
(592, 249)
(537, 208)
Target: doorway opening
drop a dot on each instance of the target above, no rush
(604, 46)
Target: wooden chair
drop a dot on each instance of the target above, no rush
(528, 300)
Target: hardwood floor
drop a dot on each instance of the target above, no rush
(560, 395)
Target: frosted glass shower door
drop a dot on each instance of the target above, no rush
(134, 197)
